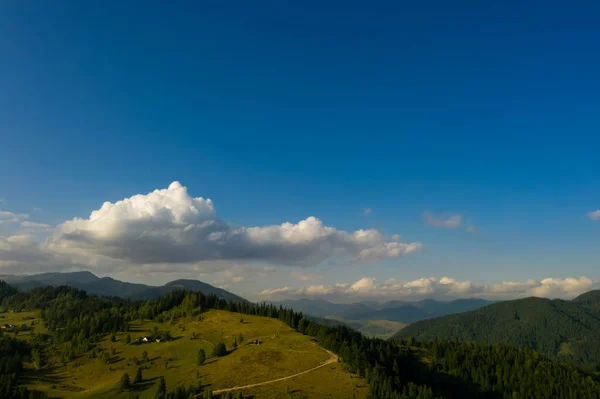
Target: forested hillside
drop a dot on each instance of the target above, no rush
(560, 330)
(77, 323)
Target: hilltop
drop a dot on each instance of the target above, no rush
(558, 329)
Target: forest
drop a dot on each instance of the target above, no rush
(557, 329)
(406, 368)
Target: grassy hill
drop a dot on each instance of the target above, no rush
(560, 330)
(283, 353)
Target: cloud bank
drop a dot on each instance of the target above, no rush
(443, 288)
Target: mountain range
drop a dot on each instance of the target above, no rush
(395, 311)
(93, 284)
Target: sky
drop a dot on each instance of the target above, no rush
(346, 150)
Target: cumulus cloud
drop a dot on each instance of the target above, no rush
(595, 215)
(169, 225)
(443, 288)
(452, 221)
(9, 217)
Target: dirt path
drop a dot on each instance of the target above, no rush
(332, 359)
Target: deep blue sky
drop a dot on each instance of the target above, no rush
(284, 111)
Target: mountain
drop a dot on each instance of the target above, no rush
(93, 284)
(558, 329)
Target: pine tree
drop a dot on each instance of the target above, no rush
(161, 391)
(125, 382)
(220, 349)
(138, 376)
(201, 357)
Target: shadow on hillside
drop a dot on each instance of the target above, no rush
(442, 384)
(49, 375)
(145, 384)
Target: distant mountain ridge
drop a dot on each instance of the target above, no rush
(93, 284)
(558, 329)
(396, 311)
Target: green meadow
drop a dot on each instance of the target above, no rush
(284, 364)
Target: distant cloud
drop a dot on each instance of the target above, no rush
(170, 226)
(452, 221)
(367, 211)
(472, 229)
(273, 291)
(396, 237)
(36, 209)
(304, 276)
(9, 217)
(445, 287)
(239, 273)
(2, 200)
(595, 215)
(39, 227)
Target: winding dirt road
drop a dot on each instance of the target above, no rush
(332, 359)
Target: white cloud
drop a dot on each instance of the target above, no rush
(9, 217)
(367, 211)
(33, 226)
(365, 284)
(452, 221)
(396, 237)
(170, 226)
(595, 215)
(36, 209)
(274, 291)
(556, 287)
(444, 288)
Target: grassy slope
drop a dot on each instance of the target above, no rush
(284, 352)
(19, 318)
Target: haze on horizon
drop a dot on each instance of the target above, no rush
(319, 151)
